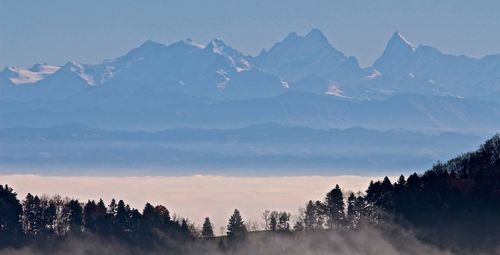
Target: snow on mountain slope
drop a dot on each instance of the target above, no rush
(298, 63)
(425, 70)
(19, 75)
(187, 67)
(298, 57)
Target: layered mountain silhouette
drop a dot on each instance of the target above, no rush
(302, 80)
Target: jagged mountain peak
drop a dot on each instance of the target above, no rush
(316, 35)
(397, 52)
(74, 69)
(297, 57)
(218, 46)
(399, 41)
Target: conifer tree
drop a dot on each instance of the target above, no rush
(207, 231)
(32, 215)
(334, 205)
(49, 217)
(121, 222)
(352, 213)
(10, 216)
(310, 216)
(236, 230)
(74, 216)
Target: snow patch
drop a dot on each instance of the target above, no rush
(222, 85)
(190, 42)
(285, 84)
(405, 41)
(20, 75)
(373, 75)
(334, 90)
(79, 69)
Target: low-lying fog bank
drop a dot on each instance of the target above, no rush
(194, 197)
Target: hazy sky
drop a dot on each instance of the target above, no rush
(91, 30)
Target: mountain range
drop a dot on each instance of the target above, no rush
(302, 104)
(298, 63)
(300, 81)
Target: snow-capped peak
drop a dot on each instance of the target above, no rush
(397, 52)
(217, 46)
(398, 40)
(236, 58)
(78, 69)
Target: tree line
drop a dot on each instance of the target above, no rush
(453, 203)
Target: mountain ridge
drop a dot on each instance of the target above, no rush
(306, 63)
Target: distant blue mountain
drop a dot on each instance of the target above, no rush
(215, 101)
(266, 149)
(152, 111)
(305, 63)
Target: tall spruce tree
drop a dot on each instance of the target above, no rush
(310, 216)
(74, 215)
(32, 215)
(236, 230)
(207, 231)
(10, 217)
(334, 205)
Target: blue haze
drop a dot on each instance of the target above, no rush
(87, 31)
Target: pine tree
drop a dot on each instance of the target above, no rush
(207, 231)
(121, 223)
(10, 217)
(334, 205)
(320, 213)
(386, 198)
(49, 217)
(89, 216)
(74, 215)
(32, 215)
(185, 230)
(310, 216)
(102, 222)
(352, 213)
(236, 230)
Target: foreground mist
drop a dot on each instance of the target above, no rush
(451, 208)
(386, 240)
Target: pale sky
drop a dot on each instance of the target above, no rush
(88, 31)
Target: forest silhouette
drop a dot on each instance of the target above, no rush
(454, 206)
